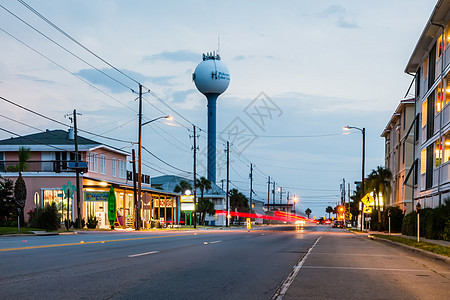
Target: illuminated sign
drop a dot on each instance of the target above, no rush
(96, 196)
(187, 198)
(187, 206)
(368, 200)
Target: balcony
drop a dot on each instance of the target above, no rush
(56, 166)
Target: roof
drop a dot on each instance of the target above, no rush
(48, 137)
(438, 16)
(396, 114)
(169, 182)
(51, 139)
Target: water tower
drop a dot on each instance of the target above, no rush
(211, 78)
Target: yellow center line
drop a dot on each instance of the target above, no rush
(95, 242)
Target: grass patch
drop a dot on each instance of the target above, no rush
(13, 230)
(438, 249)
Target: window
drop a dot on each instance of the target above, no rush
(447, 89)
(423, 161)
(122, 169)
(2, 162)
(439, 98)
(92, 161)
(438, 153)
(446, 148)
(403, 149)
(114, 167)
(425, 69)
(440, 46)
(102, 164)
(424, 113)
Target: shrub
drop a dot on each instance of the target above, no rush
(396, 219)
(409, 225)
(49, 217)
(34, 216)
(92, 222)
(75, 224)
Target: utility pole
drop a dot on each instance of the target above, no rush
(287, 207)
(281, 197)
(133, 157)
(273, 195)
(268, 195)
(228, 182)
(77, 159)
(363, 163)
(195, 178)
(251, 188)
(137, 209)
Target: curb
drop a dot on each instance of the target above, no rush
(443, 258)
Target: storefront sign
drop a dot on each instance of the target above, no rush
(187, 198)
(187, 206)
(96, 196)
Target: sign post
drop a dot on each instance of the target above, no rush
(68, 190)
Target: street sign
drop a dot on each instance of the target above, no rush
(187, 198)
(249, 224)
(367, 210)
(368, 200)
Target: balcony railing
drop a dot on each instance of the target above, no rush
(55, 166)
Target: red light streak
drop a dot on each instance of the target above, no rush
(278, 216)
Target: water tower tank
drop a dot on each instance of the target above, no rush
(211, 77)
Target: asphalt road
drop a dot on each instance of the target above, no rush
(216, 264)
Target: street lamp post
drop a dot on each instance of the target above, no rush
(363, 131)
(138, 201)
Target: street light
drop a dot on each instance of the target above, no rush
(363, 131)
(295, 200)
(136, 205)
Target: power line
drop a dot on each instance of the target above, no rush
(164, 162)
(60, 123)
(65, 49)
(65, 69)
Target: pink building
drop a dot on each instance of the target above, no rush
(49, 168)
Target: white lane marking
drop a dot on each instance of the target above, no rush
(359, 268)
(282, 289)
(215, 242)
(146, 253)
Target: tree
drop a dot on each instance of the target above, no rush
(379, 182)
(182, 187)
(238, 202)
(204, 205)
(7, 205)
(20, 188)
(329, 210)
(308, 211)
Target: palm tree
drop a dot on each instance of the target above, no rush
(238, 202)
(308, 211)
(182, 187)
(380, 183)
(329, 210)
(203, 208)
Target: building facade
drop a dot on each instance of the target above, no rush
(49, 169)
(430, 64)
(399, 138)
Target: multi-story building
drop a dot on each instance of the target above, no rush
(399, 137)
(430, 64)
(49, 169)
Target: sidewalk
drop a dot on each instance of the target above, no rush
(437, 242)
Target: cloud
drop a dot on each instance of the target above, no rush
(33, 78)
(175, 56)
(117, 83)
(180, 96)
(344, 20)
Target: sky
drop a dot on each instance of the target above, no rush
(300, 71)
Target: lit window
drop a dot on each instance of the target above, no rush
(438, 153)
(439, 98)
(114, 167)
(447, 89)
(424, 113)
(447, 148)
(439, 47)
(423, 161)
